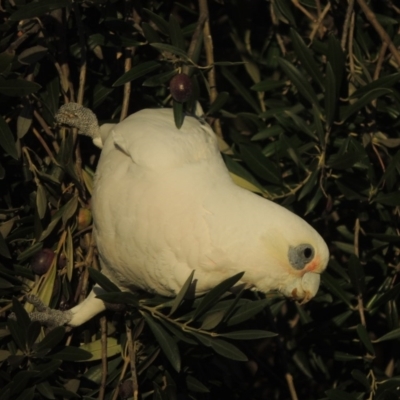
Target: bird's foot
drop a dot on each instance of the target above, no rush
(46, 315)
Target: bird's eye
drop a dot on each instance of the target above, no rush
(308, 252)
(300, 255)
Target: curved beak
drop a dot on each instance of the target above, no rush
(303, 289)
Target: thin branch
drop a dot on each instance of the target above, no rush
(292, 389)
(379, 63)
(103, 328)
(132, 356)
(379, 29)
(319, 22)
(44, 144)
(303, 10)
(346, 24)
(208, 45)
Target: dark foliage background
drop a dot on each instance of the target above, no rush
(305, 98)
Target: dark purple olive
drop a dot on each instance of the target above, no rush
(126, 389)
(41, 261)
(181, 88)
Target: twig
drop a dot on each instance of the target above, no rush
(379, 29)
(292, 389)
(44, 144)
(346, 24)
(129, 52)
(208, 45)
(379, 63)
(320, 19)
(195, 39)
(350, 45)
(103, 328)
(82, 72)
(132, 356)
(127, 85)
(303, 10)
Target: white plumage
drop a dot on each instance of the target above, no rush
(164, 204)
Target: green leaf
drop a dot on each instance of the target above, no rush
(159, 79)
(306, 58)
(182, 293)
(137, 72)
(331, 97)
(7, 141)
(33, 333)
(388, 199)
(4, 251)
(175, 33)
(241, 89)
(268, 85)
(247, 311)
(227, 350)
(337, 394)
(119, 298)
(364, 337)
(348, 111)
(336, 58)
(95, 348)
(335, 288)
(70, 353)
(37, 9)
(395, 334)
(356, 274)
(259, 164)
(27, 394)
(362, 378)
(17, 87)
(179, 115)
(215, 293)
(340, 356)
(51, 340)
(195, 385)
(391, 294)
(166, 342)
(22, 316)
(18, 333)
(170, 49)
(248, 334)
(161, 23)
(218, 103)
(301, 83)
(103, 281)
(383, 82)
(150, 34)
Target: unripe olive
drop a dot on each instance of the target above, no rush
(181, 88)
(42, 260)
(84, 218)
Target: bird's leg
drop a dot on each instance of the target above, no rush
(76, 316)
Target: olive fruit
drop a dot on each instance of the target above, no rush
(84, 218)
(181, 88)
(42, 260)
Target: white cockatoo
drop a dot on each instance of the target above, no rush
(164, 204)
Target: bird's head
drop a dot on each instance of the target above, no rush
(295, 258)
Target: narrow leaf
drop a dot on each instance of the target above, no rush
(301, 83)
(179, 116)
(214, 294)
(248, 335)
(165, 340)
(227, 350)
(36, 9)
(247, 311)
(137, 72)
(182, 293)
(364, 337)
(395, 334)
(7, 139)
(306, 58)
(103, 281)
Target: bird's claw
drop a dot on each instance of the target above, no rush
(44, 314)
